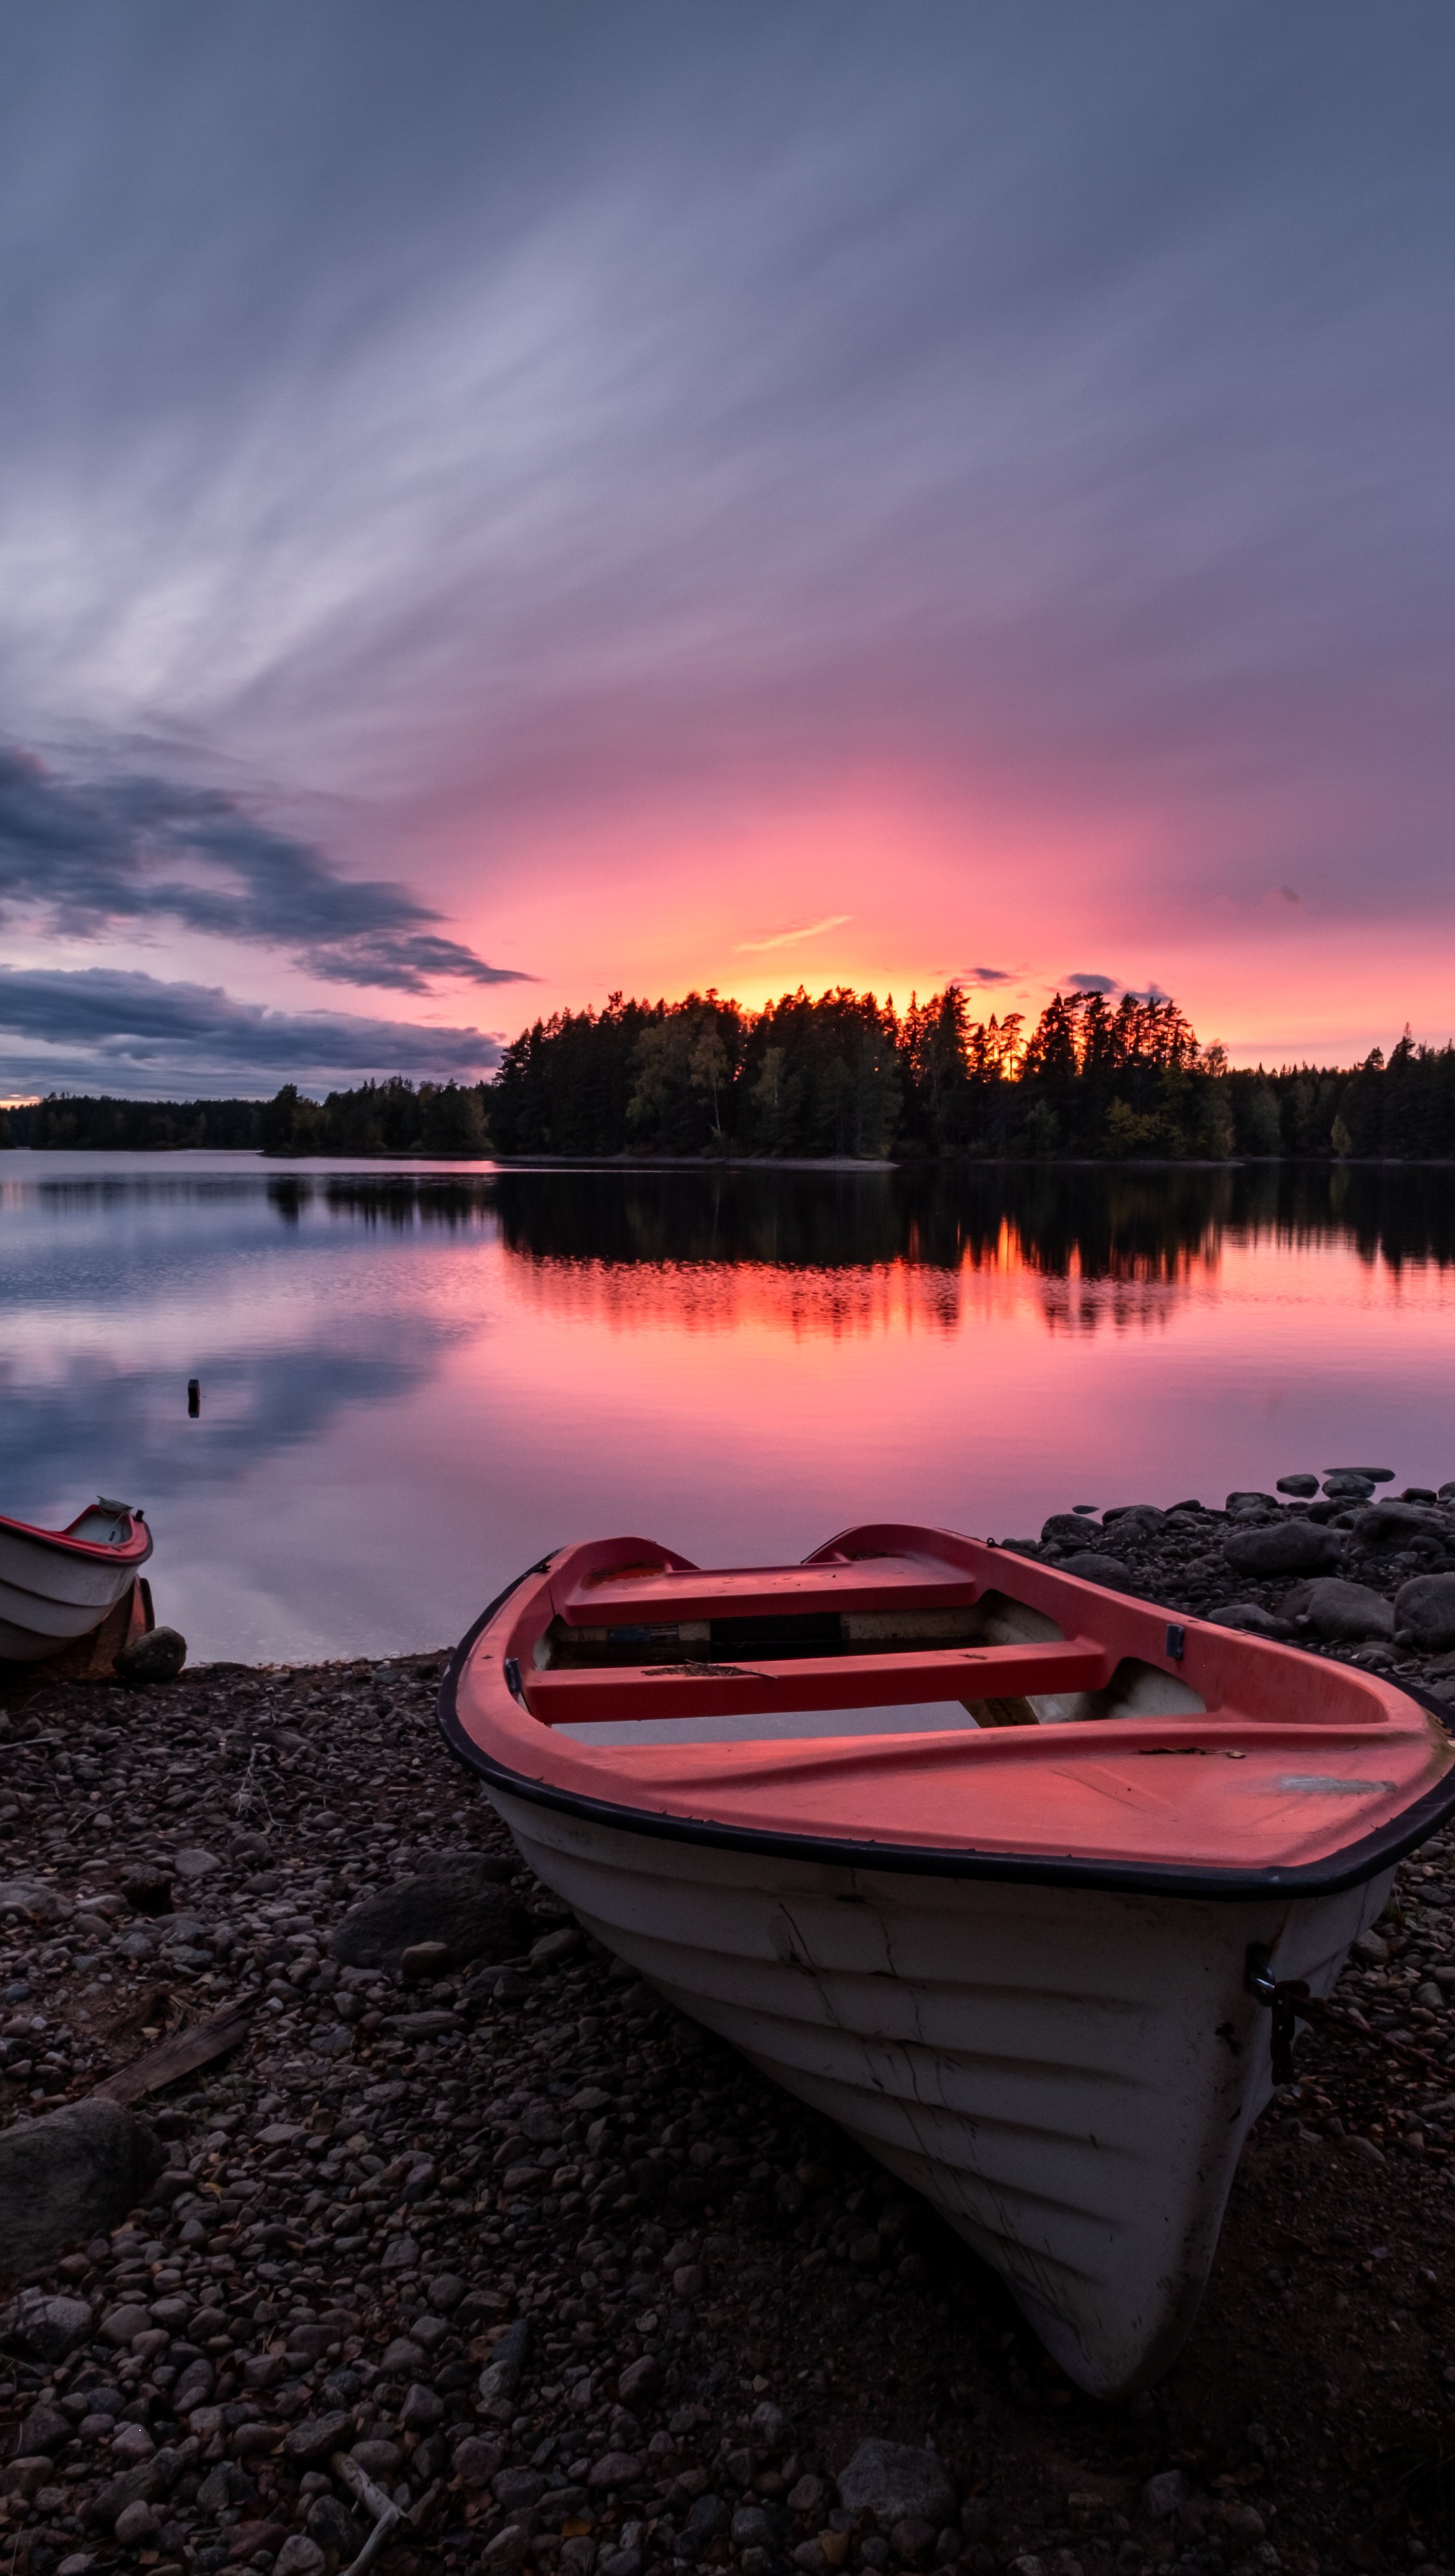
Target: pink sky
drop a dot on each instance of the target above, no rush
(667, 498)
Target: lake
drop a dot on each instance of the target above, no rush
(417, 1379)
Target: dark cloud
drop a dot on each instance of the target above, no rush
(985, 975)
(101, 1028)
(1094, 983)
(81, 858)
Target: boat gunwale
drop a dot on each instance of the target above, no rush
(1332, 1875)
(131, 1551)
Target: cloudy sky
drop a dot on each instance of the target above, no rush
(501, 502)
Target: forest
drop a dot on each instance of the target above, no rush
(839, 1076)
(844, 1075)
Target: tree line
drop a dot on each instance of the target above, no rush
(841, 1075)
(845, 1075)
(446, 1119)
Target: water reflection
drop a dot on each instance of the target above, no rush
(416, 1380)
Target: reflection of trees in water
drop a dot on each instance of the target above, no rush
(1116, 1247)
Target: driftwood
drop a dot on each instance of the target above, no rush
(180, 2055)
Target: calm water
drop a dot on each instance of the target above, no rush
(416, 1380)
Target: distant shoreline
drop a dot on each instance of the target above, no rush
(626, 1162)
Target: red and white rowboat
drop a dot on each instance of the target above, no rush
(58, 1585)
(1010, 1876)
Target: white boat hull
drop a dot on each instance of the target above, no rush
(49, 1596)
(1067, 2076)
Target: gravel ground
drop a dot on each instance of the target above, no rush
(689, 2299)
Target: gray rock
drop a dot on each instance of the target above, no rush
(333, 2527)
(1390, 1524)
(421, 2410)
(1341, 1611)
(299, 2557)
(752, 2528)
(897, 2484)
(1064, 1529)
(769, 2428)
(639, 2379)
(1130, 1517)
(71, 2175)
(1249, 1505)
(156, 1657)
(1094, 1565)
(614, 2469)
(1348, 1488)
(1371, 1475)
(500, 2378)
(195, 2387)
(311, 2441)
(517, 2489)
(1252, 1619)
(1165, 2494)
(1424, 1611)
(1291, 1546)
(707, 2516)
(38, 1904)
(1306, 1486)
(46, 2328)
(458, 1900)
(475, 2461)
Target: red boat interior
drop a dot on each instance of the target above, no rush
(910, 1686)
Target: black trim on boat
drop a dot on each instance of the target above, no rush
(1348, 1868)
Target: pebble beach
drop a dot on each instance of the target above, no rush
(494, 2261)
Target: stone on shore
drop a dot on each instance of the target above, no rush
(157, 1657)
(1395, 1524)
(1424, 1611)
(1341, 1611)
(1096, 1565)
(68, 2175)
(458, 1903)
(1253, 1620)
(1292, 1546)
(897, 2484)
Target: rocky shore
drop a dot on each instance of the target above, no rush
(466, 2250)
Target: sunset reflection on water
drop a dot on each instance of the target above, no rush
(416, 1381)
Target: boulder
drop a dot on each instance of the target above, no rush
(1306, 1486)
(1348, 1488)
(37, 1904)
(1395, 1524)
(1094, 1565)
(457, 1901)
(1341, 1612)
(1424, 1611)
(46, 2328)
(1130, 1517)
(71, 2175)
(1253, 1619)
(156, 1657)
(1371, 1475)
(1251, 1506)
(1291, 1546)
(897, 2484)
(1068, 1529)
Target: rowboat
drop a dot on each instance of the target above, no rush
(1016, 1879)
(59, 1585)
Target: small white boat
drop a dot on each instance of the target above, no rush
(59, 1585)
(1014, 1879)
